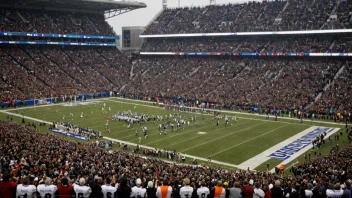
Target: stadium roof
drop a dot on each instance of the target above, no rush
(110, 7)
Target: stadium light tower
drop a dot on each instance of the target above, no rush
(212, 2)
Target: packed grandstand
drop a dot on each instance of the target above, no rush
(318, 85)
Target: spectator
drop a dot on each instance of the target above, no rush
(165, 190)
(151, 190)
(124, 191)
(248, 189)
(64, 189)
(276, 191)
(7, 187)
(218, 191)
(235, 191)
(258, 192)
(81, 190)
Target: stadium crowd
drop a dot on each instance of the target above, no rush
(46, 161)
(40, 21)
(254, 17)
(275, 82)
(31, 71)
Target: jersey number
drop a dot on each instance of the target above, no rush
(108, 195)
(80, 195)
(25, 195)
(47, 195)
(203, 195)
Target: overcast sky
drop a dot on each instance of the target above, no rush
(142, 17)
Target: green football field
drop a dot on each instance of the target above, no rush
(226, 145)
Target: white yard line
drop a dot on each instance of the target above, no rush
(247, 141)
(228, 134)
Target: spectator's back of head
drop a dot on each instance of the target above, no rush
(107, 180)
(48, 181)
(6, 177)
(309, 186)
(257, 184)
(25, 181)
(337, 187)
(165, 182)
(219, 183)
(277, 183)
(237, 184)
(64, 181)
(186, 180)
(150, 184)
(348, 185)
(82, 181)
(138, 182)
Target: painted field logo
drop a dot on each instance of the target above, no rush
(201, 133)
(294, 147)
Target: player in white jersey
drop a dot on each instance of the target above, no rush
(82, 191)
(186, 191)
(203, 191)
(47, 190)
(138, 191)
(108, 190)
(25, 190)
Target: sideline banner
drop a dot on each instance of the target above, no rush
(29, 34)
(69, 134)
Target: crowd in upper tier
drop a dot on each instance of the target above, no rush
(31, 161)
(39, 21)
(254, 17)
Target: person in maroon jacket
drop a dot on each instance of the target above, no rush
(7, 187)
(248, 189)
(64, 189)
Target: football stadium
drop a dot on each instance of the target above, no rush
(225, 99)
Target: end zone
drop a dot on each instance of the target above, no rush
(289, 149)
